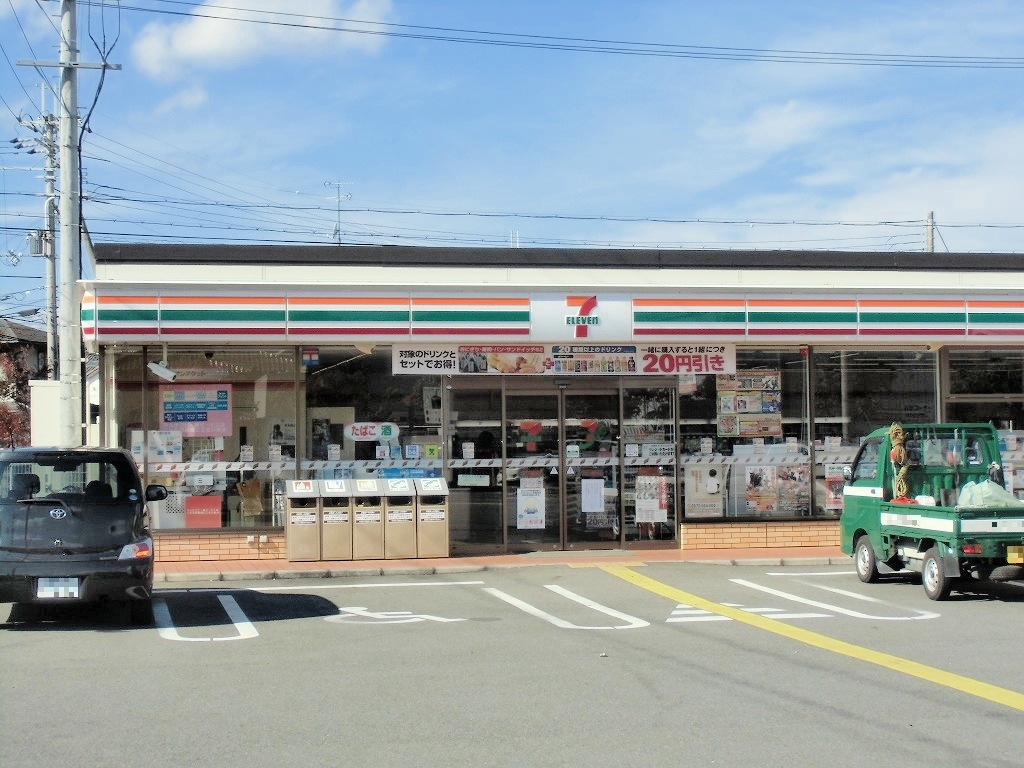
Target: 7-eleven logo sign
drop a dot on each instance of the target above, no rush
(584, 317)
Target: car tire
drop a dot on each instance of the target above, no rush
(865, 561)
(933, 578)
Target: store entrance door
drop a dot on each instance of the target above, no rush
(562, 468)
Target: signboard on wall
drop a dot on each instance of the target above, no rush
(563, 359)
(195, 410)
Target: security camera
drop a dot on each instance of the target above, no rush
(160, 369)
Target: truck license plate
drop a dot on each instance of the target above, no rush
(1015, 555)
(50, 589)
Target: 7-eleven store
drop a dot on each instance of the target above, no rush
(571, 399)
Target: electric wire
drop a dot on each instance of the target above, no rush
(581, 45)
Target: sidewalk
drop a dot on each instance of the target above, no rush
(240, 570)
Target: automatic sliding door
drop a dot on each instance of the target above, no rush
(591, 483)
(533, 488)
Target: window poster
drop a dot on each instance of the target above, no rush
(592, 495)
(749, 404)
(794, 490)
(761, 488)
(282, 438)
(834, 482)
(704, 490)
(651, 499)
(159, 446)
(530, 503)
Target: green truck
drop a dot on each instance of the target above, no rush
(930, 499)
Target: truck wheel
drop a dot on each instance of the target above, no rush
(864, 557)
(933, 578)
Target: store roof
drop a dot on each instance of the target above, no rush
(584, 258)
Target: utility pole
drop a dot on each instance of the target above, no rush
(337, 185)
(50, 243)
(69, 371)
(70, 345)
(43, 243)
(929, 235)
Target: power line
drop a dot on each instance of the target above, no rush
(577, 44)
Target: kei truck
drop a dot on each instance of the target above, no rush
(931, 499)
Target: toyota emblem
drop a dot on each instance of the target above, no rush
(58, 513)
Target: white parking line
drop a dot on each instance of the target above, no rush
(631, 621)
(836, 608)
(165, 625)
(370, 586)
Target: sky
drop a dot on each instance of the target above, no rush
(735, 124)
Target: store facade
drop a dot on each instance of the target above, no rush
(571, 399)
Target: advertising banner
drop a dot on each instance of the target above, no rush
(564, 359)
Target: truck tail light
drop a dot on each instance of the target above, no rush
(971, 548)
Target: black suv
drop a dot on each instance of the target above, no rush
(73, 528)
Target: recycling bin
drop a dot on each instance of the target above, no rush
(302, 514)
(399, 518)
(336, 519)
(367, 520)
(432, 517)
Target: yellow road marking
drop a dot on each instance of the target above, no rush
(608, 565)
(967, 685)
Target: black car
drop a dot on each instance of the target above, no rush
(74, 528)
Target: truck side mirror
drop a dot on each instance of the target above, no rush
(847, 473)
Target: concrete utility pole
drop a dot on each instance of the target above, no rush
(50, 243)
(69, 372)
(43, 243)
(929, 234)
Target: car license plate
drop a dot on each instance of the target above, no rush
(1015, 555)
(50, 589)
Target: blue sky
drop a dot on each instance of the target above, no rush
(229, 131)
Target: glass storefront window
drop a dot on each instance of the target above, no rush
(857, 391)
(744, 439)
(986, 385)
(221, 433)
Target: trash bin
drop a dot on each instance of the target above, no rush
(431, 517)
(367, 520)
(336, 519)
(302, 513)
(399, 518)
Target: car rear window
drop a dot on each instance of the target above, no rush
(85, 478)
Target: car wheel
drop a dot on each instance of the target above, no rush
(141, 612)
(864, 557)
(936, 584)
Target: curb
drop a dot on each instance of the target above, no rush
(434, 570)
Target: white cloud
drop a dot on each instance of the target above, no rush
(185, 100)
(200, 42)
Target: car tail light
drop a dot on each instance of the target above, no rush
(138, 550)
(971, 548)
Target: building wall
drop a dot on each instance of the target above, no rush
(760, 535)
(219, 546)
